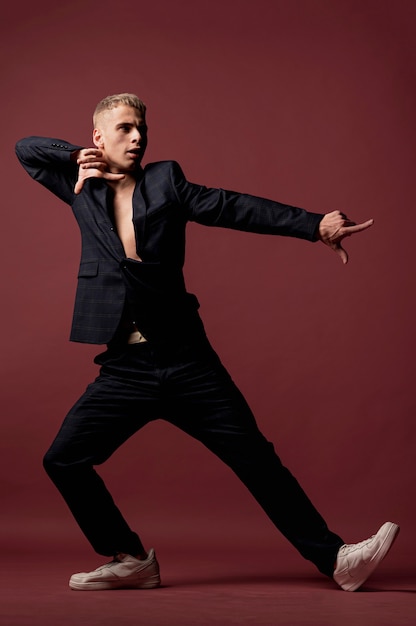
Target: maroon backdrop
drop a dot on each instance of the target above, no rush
(310, 103)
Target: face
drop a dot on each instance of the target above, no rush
(121, 135)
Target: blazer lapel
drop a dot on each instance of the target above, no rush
(139, 215)
(102, 208)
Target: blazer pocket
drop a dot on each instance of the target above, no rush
(88, 269)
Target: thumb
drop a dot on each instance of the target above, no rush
(78, 186)
(342, 253)
(110, 176)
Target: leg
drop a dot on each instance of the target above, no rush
(114, 407)
(209, 407)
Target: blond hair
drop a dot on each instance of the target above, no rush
(111, 102)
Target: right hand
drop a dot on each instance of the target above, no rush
(92, 165)
(335, 226)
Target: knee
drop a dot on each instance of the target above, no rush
(57, 464)
(65, 460)
(50, 462)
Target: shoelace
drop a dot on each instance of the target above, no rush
(348, 547)
(115, 560)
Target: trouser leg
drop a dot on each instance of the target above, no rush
(113, 408)
(210, 408)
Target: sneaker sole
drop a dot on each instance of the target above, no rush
(151, 583)
(389, 539)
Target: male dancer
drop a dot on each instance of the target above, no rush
(158, 362)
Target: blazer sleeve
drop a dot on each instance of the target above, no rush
(229, 209)
(48, 161)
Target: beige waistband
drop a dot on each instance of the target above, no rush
(136, 337)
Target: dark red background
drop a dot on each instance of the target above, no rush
(310, 103)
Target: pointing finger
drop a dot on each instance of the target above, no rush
(356, 228)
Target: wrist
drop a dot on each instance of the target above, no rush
(75, 155)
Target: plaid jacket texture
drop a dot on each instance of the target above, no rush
(163, 202)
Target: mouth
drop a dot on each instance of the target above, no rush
(135, 153)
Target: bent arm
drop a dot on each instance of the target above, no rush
(50, 162)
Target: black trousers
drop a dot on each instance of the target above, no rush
(188, 386)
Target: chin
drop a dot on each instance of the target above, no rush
(129, 167)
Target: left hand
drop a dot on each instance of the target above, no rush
(335, 226)
(92, 165)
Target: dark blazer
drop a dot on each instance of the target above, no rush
(163, 202)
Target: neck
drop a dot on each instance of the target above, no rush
(124, 184)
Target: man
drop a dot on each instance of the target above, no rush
(159, 364)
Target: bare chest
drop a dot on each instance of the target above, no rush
(123, 219)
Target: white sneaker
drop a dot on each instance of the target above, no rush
(124, 572)
(356, 561)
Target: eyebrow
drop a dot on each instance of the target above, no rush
(130, 124)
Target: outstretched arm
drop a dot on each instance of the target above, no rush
(334, 227)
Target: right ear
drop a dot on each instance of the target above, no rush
(97, 138)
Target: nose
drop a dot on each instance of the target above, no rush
(138, 135)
